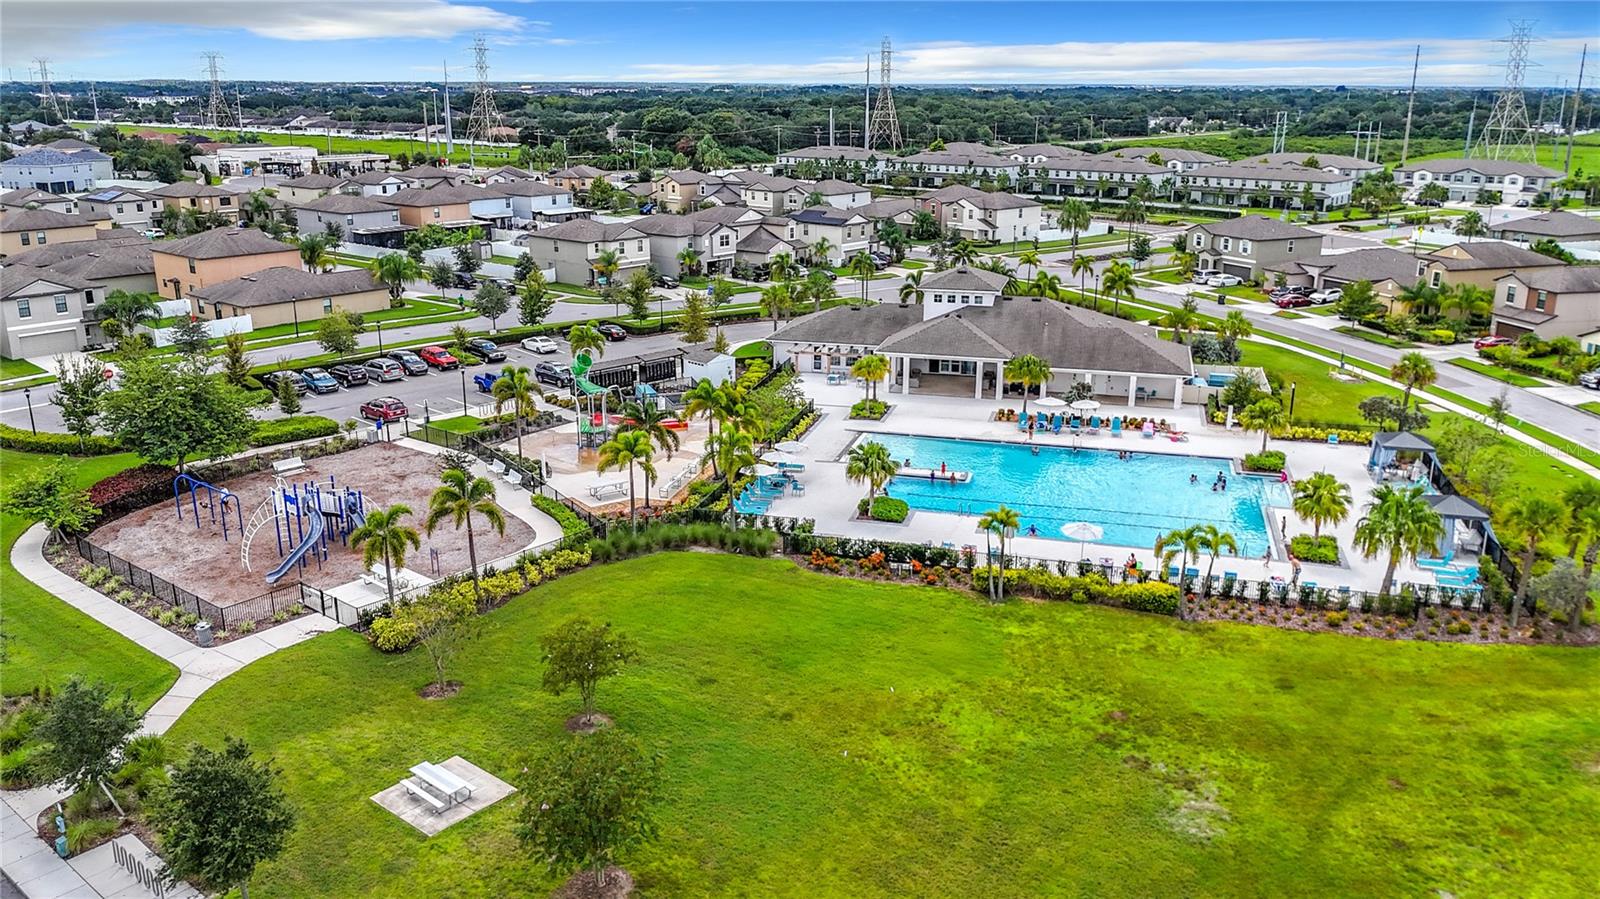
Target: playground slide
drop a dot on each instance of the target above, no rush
(313, 537)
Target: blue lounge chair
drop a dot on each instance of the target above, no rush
(1022, 422)
(1055, 423)
(1094, 425)
(1308, 585)
(1076, 424)
(1116, 427)
(747, 507)
(1436, 563)
(799, 489)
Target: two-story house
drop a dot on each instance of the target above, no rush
(1177, 159)
(125, 208)
(839, 194)
(378, 184)
(833, 160)
(448, 206)
(986, 217)
(841, 233)
(304, 189)
(184, 196)
(1035, 154)
(1480, 263)
(537, 203)
(714, 242)
(56, 171)
(1247, 247)
(117, 259)
(1272, 186)
(221, 254)
(577, 178)
(362, 220)
(1102, 176)
(678, 190)
(771, 194)
(23, 229)
(933, 167)
(1333, 163)
(42, 312)
(1553, 301)
(429, 176)
(25, 197)
(1465, 178)
(574, 247)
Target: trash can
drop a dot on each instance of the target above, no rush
(61, 846)
(202, 633)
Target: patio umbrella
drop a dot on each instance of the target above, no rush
(1083, 532)
(790, 446)
(778, 458)
(1050, 402)
(1085, 405)
(765, 470)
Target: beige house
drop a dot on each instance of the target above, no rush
(280, 295)
(1553, 301)
(304, 189)
(577, 178)
(25, 229)
(23, 197)
(1480, 263)
(118, 260)
(681, 190)
(447, 206)
(187, 195)
(210, 257)
(1251, 246)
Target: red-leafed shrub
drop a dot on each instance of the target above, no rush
(133, 489)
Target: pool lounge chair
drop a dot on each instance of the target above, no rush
(1022, 421)
(1436, 563)
(1148, 431)
(1075, 424)
(1094, 425)
(1116, 427)
(1056, 421)
(747, 507)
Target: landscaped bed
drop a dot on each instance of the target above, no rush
(825, 736)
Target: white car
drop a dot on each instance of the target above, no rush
(1204, 275)
(542, 345)
(1224, 281)
(153, 233)
(1331, 295)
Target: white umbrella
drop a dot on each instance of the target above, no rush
(1083, 532)
(777, 458)
(1085, 405)
(1050, 402)
(790, 446)
(765, 470)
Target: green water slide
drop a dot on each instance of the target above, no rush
(581, 364)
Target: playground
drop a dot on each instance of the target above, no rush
(164, 538)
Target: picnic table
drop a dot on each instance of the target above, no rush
(448, 786)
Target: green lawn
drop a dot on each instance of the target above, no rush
(459, 424)
(757, 350)
(1515, 379)
(564, 287)
(1585, 154)
(46, 640)
(489, 156)
(1375, 337)
(1318, 397)
(1592, 408)
(17, 368)
(825, 737)
(40, 381)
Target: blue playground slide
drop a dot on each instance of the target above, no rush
(352, 508)
(313, 537)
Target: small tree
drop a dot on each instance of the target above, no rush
(83, 733)
(221, 815)
(442, 275)
(636, 291)
(580, 654)
(336, 334)
(467, 258)
(190, 337)
(720, 342)
(49, 495)
(1140, 251)
(524, 268)
(382, 536)
(80, 385)
(173, 411)
(491, 301)
(446, 621)
(871, 369)
(1001, 523)
(533, 301)
(1029, 371)
(588, 800)
(1265, 416)
(235, 361)
(288, 396)
(695, 321)
(1321, 499)
(1565, 588)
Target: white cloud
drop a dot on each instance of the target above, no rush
(69, 28)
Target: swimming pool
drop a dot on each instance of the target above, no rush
(1134, 500)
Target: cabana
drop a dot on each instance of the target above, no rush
(1452, 509)
(1388, 445)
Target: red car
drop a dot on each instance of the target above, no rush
(1291, 301)
(439, 357)
(384, 408)
(1491, 340)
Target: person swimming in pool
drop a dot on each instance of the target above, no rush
(1033, 530)
(1194, 478)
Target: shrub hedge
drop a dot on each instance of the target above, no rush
(889, 508)
(293, 428)
(571, 524)
(622, 543)
(1271, 460)
(1149, 596)
(57, 444)
(1323, 550)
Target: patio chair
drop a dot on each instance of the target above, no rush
(1308, 585)
(1116, 427)
(1022, 421)
(1094, 425)
(1056, 421)
(799, 489)
(1075, 424)
(1436, 563)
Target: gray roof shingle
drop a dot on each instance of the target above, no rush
(221, 243)
(281, 284)
(1258, 227)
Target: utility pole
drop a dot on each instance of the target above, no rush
(1577, 97)
(1472, 118)
(830, 126)
(1411, 104)
(94, 100)
(866, 118)
(449, 134)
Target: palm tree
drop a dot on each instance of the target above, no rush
(870, 463)
(383, 536)
(1234, 327)
(628, 449)
(820, 251)
(1029, 371)
(1181, 319)
(1215, 542)
(516, 386)
(314, 253)
(1419, 299)
(583, 338)
(258, 210)
(1400, 523)
(1321, 499)
(1118, 282)
(871, 368)
(1083, 267)
(862, 266)
(733, 450)
(963, 253)
(605, 265)
(459, 496)
(1579, 498)
(1030, 258)
(1531, 519)
(1132, 213)
(1586, 528)
(1186, 540)
(1266, 416)
(395, 270)
(1046, 285)
(703, 399)
(1470, 225)
(1413, 370)
(911, 288)
(782, 267)
(1074, 217)
(689, 259)
(775, 301)
(1003, 523)
(653, 420)
(1470, 300)
(130, 310)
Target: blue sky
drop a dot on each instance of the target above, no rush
(1110, 41)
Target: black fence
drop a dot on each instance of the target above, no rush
(325, 603)
(255, 608)
(1492, 548)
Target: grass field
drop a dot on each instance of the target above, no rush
(490, 156)
(1375, 337)
(1318, 397)
(1592, 408)
(1585, 153)
(48, 641)
(1499, 374)
(829, 738)
(760, 349)
(17, 368)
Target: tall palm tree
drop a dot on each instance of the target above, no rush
(1083, 267)
(1419, 298)
(1187, 541)
(314, 253)
(703, 399)
(1132, 213)
(1578, 499)
(1530, 520)
(1321, 499)
(1045, 285)
(1074, 216)
(1400, 523)
(820, 251)
(395, 270)
(911, 288)
(605, 265)
(734, 451)
(963, 253)
(1470, 224)
(628, 449)
(130, 310)
(870, 463)
(583, 338)
(1028, 370)
(516, 385)
(1264, 415)
(1031, 259)
(459, 496)
(1118, 282)
(1234, 327)
(1215, 542)
(1413, 370)
(689, 260)
(871, 369)
(862, 266)
(782, 267)
(653, 420)
(1003, 522)
(382, 536)
(775, 302)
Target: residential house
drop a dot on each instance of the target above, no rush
(280, 295)
(22, 229)
(192, 196)
(846, 231)
(210, 257)
(572, 249)
(537, 203)
(1388, 270)
(304, 189)
(1103, 176)
(900, 210)
(577, 178)
(839, 194)
(678, 190)
(508, 173)
(953, 288)
(1551, 301)
(1035, 154)
(378, 184)
(125, 208)
(1248, 246)
(1480, 263)
(1464, 178)
(361, 220)
(428, 176)
(716, 242)
(24, 197)
(772, 194)
(1334, 163)
(42, 312)
(1272, 186)
(491, 205)
(770, 238)
(836, 161)
(56, 171)
(1560, 226)
(934, 167)
(985, 216)
(1177, 159)
(118, 259)
(448, 206)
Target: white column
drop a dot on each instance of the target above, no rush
(1133, 389)
(1177, 393)
(977, 381)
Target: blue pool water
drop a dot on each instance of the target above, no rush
(1134, 501)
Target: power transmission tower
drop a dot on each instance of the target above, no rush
(484, 119)
(1280, 131)
(1507, 134)
(47, 91)
(218, 112)
(885, 125)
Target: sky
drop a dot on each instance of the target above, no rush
(783, 41)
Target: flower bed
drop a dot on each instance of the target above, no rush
(873, 410)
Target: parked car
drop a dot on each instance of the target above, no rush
(384, 408)
(153, 233)
(320, 381)
(1429, 202)
(385, 370)
(349, 375)
(439, 357)
(1523, 204)
(1301, 289)
(1291, 301)
(1201, 276)
(828, 273)
(465, 281)
(409, 361)
(271, 378)
(1489, 340)
(1224, 281)
(549, 373)
(541, 345)
(486, 349)
(1331, 295)
(664, 281)
(1590, 379)
(612, 332)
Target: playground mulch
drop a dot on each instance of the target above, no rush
(198, 560)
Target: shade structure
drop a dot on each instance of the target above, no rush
(1050, 402)
(779, 458)
(790, 446)
(765, 470)
(1083, 532)
(1085, 405)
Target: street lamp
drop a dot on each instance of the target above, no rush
(463, 389)
(27, 396)
(380, 335)
(1292, 386)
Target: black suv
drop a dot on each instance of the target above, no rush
(549, 373)
(664, 281)
(465, 281)
(348, 375)
(486, 349)
(409, 361)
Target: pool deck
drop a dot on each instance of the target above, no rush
(830, 499)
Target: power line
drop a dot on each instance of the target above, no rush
(1508, 134)
(48, 90)
(218, 112)
(484, 119)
